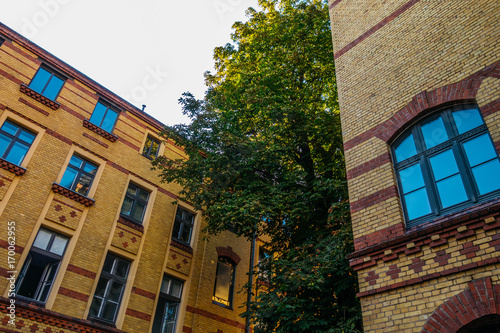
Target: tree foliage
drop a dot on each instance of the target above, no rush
(265, 157)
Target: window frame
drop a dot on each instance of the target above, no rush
(163, 300)
(183, 223)
(222, 260)
(80, 172)
(109, 107)
(52, 73)
(454, 143)
(135, 198)
(15, 138)
(146, 150)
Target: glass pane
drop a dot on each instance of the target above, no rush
(4, 143)
(131, 189)
(154, 149)
(223, 281)
(451, 191)
(177, 227)
(94, 308)
(40, 80)
(101, 287)
(143, 194)
(487, 176)
(434, 133)
(186, 233)
(115, 291)
(42, 239)
(467, 120)
(417, 204)
(168, 327)
(138, 211)
(53, 88)
(127, 206)
(411, 178)
(68, 177)
(109, 311)
(176, 289)
(122, 268)
(27, 137)
(59, 245)
(405, 149)
(17, 153)
(90, 168)
(76, 161)
(83, 184)
(98, 114)
(444, 165)
(165, 285)
(479, 150)
(108, 264)
(109, 120)
(170, 311)
(146, 146)
(10, 128)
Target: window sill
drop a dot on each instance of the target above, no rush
(99, 321)
(130, 223)
(39, 97)
(221, 304)
(72, 195)
(96, 129)
(29, 301)
(15, 169)
(181, 246)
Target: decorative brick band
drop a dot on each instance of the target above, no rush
(34, 107)
(368, 166)
(125, 221)
(95, 140)
(17, 170)
(72, 195)
(81, 271)
(10, 77)
(73, 294)
(379, 236)
(39, 97)
(374, 198)
(229, 253)
(65, 204)
(425, 103)
(375, 28)
(481, 299)
(5, 245)
(138, 314)
(215, 317)
(181, 246)
(96, 129)
(144, 293)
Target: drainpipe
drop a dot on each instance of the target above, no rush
(250, 283)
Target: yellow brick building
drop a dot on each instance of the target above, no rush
(89, 238)
(419, 92)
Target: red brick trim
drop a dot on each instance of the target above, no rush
(375, 28)
(215, 317)
(109, 136)
(65, 204)
(368, 166)
(333, 4)
(72, 195)
(144, 293)
(81, 271)
(374, 198)
(180, 246)
(30, 57)
(10, 77)
(70, 110)
(481, 299)
(138, 314)
(490, 108)
(123, 220)
(229, 253)
(4, 244)
(379, 236)
(427, 102)
(22, 116)
(15, 169)
(186, 329)
(34, 107)
(90, 137)
(73, 294)
(39, 97)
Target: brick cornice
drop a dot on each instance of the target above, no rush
(39, 97)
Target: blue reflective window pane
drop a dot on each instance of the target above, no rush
(434, 133)
(76, 161)
(406, 149)
(411, 178)
(98, 114)
(27, 137)
(451, 191)
(90, 168)
(443, 165)
(17, 153)
(68, 178)
(109, 120)
(53, 88)
(417, 204)
(10, 128)
(479, 150)
(4, 143)
(467, 120)
(40, 80)
(487, 176)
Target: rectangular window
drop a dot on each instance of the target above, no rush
(168, 306)
(109, 291)
(104, 117)
(135, 202)
(1, 41)
(15, 141)
(79, 175)
(151, 148)
(183, 226)
(47, 83)
(40, 268)
(224, 282)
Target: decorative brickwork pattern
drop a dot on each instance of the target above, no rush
(109, 136)
(228, 252)
(126, 238)
(65, 211)
(179, 261)
(17, 170)
(72, 195)
(42, 99)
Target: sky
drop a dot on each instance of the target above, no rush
(147, 52)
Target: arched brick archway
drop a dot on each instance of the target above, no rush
(480, 301)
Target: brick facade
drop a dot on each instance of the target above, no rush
(397, 62)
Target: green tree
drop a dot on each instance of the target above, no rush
(265, 157)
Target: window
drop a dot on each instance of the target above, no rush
(264, 256)
(183, 225)
(151, 148)
(15, 141)
(47, 83)
(104, 117)
(109, 291)
(1, 41)
(135, 202)
(79, 175)
(168, 306)
(444, 163)
(40, 268)
(224, 282)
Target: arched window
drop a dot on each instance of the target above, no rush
(444, 163)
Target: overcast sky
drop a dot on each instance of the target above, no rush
(148, 52)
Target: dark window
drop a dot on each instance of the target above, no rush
(40, 268)
(444, 163)
(151, 148)
(135, 202)
(168, 306)
(224, 282)
(183, 225)
(264, 257)
(104, 117)
(47, 83)
(1, 41)
(79, 175)
(15, 141)
(109, 291)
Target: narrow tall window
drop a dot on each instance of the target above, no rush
(183, 226)
(104, 117)
(40, 268)
(47, 83)
(109, 291)
(15, 141)
(445, 163)
(79, 175)
(135, 202)
(151, 148)
(224, 282)
(167, 310)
